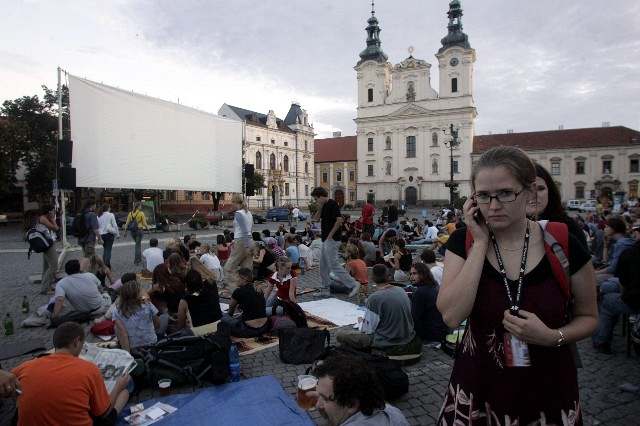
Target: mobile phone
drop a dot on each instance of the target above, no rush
(477, 216)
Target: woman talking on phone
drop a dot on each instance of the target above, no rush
(513, 365)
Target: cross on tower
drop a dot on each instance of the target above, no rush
(373, 11)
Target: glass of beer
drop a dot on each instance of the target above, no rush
(165, 387)
(305, 385)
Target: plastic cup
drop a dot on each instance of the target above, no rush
(165, 387)
(305, 385)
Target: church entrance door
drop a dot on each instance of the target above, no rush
(411, 196)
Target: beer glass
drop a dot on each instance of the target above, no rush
(165, 387)
(305, 385)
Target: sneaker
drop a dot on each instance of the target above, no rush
(354, 290)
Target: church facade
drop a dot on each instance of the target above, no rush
(405, 127)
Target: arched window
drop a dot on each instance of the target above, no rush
(434, 139)
(434, 166)
(258, 160)
(306, 167)
(388, 142)
(272, 161)
(285, 163)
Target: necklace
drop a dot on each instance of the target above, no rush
(514, 302)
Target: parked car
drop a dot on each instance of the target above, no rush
(588, 206)
(574, 204)
(281, 214)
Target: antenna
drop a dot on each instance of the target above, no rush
(373, 8)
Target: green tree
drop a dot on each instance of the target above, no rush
(29, 135)
(255, 183)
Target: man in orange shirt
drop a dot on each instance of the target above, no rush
(62, 389)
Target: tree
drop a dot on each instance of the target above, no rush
(254, 183)
(29, 136)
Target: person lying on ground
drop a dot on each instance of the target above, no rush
(349, 393)
(62, 389)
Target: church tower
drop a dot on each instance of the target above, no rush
(456, 57)
(374, 71)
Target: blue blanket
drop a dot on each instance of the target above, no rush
(259, 401)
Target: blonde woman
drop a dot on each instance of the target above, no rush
(136, 319)
(241, 255)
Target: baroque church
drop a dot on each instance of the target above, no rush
(405, 126)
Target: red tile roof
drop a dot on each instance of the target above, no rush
(560, 139)
(336, 149)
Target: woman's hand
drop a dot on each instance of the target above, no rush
(529, 328)
(480, 231)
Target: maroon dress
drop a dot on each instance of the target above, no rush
(482, 390)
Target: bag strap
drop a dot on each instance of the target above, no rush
(556, 245)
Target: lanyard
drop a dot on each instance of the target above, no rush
(514, 304)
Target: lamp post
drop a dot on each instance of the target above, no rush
(452, 143)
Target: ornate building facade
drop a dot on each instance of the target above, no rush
(403, 151)
(281, 151)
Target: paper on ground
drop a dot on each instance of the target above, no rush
(337, 311)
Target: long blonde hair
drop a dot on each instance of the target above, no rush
(129, 300)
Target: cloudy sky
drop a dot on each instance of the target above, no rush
(539, 63)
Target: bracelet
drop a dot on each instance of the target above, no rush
(561, 340)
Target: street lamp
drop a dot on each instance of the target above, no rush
(451, 144)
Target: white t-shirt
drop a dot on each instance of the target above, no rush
(211, 262)
(436, 272)
(81, 291)
(242, 223)
(153, 257)
(296, 212)
(432, 233)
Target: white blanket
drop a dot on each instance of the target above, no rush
(335, 310)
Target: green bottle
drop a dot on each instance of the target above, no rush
(8, 325)
(25, 305)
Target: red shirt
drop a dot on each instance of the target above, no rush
(282, 286)
(367, 214)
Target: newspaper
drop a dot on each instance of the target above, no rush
(112, 363)
(148, 416)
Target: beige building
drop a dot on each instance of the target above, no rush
(585, 163)
(403, 148)
(280, 150)
(336, 164)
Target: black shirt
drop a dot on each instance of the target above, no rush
(250, 302)
(392, 213)
(627, 272)
(328, 216)
(205, 307)
(427, 320)
(578, 254)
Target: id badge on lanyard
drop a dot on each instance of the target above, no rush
(516, 352)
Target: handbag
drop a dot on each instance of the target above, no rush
(302, 345)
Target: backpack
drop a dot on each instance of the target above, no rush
(38, 239)
(187, 359)
(79, 226)
(394, 381)
(302, 345)
(133, 224)
(292, 310)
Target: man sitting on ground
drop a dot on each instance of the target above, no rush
(62, 389)
(388, 324)
(349, 393)
(153, 255)
(79, 292)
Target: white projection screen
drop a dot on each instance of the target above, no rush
(126, 140)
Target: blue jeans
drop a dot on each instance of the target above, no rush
(612, 285)
(107, 243)
(611, 307)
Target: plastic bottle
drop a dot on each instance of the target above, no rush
(234, 364)
(8, 325)
(25, 305)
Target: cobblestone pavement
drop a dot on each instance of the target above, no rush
(603, 403)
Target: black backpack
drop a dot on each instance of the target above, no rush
(187, 360)
(292, 310)
(394, 381)
(39, 241)
(79, 226)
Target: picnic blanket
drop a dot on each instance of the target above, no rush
(333, 310)
(258, 401)
(23, 347)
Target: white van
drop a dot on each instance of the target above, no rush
(574, 204)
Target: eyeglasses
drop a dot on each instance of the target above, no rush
(504, 196)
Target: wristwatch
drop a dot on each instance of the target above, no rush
(561, 340)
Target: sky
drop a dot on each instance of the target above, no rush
(540, 64)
